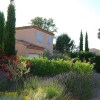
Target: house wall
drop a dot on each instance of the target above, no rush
(31, 35)
(24, 51)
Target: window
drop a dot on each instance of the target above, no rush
(39, 37)
(31, 55)
(48, 40)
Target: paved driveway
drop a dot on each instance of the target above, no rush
(96, 92)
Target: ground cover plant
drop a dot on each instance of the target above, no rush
(60, 87)
(56, 79)
(10, 96)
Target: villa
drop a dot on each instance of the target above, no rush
(32, 41)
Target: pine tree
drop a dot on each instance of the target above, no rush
(81, 41)
(2, 24)
(10, 30)
(64, 43)
(86, 42)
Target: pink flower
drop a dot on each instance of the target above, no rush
(5, 69)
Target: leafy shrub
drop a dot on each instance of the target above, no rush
(97, 65)
(73, 54)
(12, 66)
(83, 68)
(60, 56)
(88, 56)
(77, 85)
(47, 54)
(3, 85)
(55, 56)
(45, 67)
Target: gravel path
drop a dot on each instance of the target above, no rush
(96, 92)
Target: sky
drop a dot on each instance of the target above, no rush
(70, 16)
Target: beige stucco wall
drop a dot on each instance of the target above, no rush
(24, 51)
(30, 35)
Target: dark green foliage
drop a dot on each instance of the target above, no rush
(82, 56)
(2, 24)
(10, 31)
(46, 24)
(81, 41)
(11, 0)
(73, 54)
(88, 56)
(38, 21)
(86, 43)
(97, 65)
(98, 34)
(55, 56)
(54, 46)
(64, 43)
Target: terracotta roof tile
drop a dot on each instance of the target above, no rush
(30, 45)
(35, 27)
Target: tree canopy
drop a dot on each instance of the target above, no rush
(46, 24)
(64, 43)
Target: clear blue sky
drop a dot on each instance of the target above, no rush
(70, 16)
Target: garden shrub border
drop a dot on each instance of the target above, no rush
(44, 67)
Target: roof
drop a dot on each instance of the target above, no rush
(94, 50)
(35, 27)
(30, 45)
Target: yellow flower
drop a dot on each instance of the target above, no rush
(9, 93)
(26, 98)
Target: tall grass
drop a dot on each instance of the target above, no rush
(11, 96)
(43, 89)
(77, 85)
(60, 87)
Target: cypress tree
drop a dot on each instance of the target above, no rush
(10, 30)
(86, 42)
(81, 41)
(2, 25)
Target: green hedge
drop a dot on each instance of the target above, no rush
(97, 63)
(74, 54)
(83, 56)
(88, 56)
(45, 67)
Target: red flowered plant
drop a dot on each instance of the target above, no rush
(12, 66)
